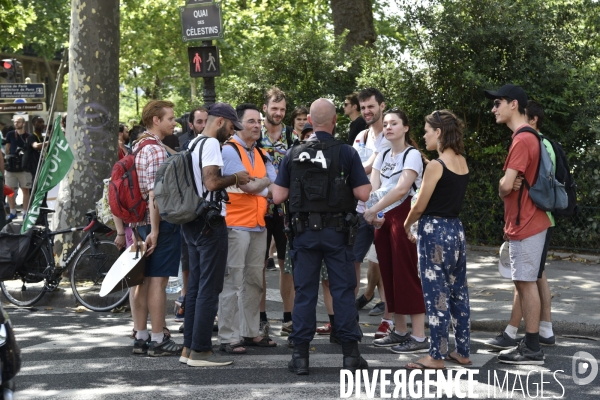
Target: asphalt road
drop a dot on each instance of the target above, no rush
(75, 354)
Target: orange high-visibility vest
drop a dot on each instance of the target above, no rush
(247, 210)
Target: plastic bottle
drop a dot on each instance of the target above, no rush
(378, 223)
(175, 283)
(378, 195)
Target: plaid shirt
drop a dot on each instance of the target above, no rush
(147, 162)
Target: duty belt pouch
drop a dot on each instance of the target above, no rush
(315, 222)
(297, 224)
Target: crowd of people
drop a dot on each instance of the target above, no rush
(327, 206)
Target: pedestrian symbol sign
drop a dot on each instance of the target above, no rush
(204, 61)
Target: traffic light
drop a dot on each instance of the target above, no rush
(11, 71)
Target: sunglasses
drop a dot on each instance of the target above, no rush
(497, 103)
(437, 114)
(346, 104)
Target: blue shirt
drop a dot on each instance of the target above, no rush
(349, 158)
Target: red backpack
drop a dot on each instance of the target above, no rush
(124, 195)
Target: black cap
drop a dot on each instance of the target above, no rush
(509, 91)
(226, 111)
(307, 127)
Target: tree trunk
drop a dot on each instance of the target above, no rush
(356, 16)
(92, 112)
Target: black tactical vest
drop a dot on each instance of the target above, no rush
(317, 180)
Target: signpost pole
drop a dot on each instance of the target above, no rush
(209, 94)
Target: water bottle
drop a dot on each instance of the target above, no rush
(362, 151)
(378, 195)
(373, 199)
(378, 223)
(175, 283)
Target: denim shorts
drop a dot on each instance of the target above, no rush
(164, 261)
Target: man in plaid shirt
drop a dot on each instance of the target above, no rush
(163, 239)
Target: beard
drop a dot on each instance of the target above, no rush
(376, 118)
(271, 121)
(223, 134)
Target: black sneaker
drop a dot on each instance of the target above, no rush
(411, 346)
(502, 342)
(140, 346)
(391, 340)
(547, 341)
(378, 309)
(362, 301)
(167, 348)
(521, 354)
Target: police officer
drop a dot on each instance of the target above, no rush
(323, 178)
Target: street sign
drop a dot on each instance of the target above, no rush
(22, 90)
(201, 22)
(204, 61)
(9, 108)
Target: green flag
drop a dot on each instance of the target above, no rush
(56, 165)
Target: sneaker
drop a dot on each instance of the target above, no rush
(391, 340)
(166, 348)
(185, 355)
(411, 346)
(325, 329)
(263, 331)
(10, 217)
(362, 301)
(140, 346)
(378, 309)
(207, 359)
(286, 328)
(384, 329)
(271, 265)
(181, 328)
(502, 342)
(179, 316)
(521, 354)
(544, 341)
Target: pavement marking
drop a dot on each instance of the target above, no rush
(249, 361)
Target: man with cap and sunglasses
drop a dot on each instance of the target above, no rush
(525, 224)
(206, 237)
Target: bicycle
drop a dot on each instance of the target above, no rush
(93, 257)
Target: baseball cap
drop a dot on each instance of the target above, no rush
(509, 91)
(226, 111)
(307, 127)
(504, 261)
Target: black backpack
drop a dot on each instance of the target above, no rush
(563, 175)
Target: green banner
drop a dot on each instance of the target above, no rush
(56, 165)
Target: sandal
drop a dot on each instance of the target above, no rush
(233, 348)
(421, 366)
(455, 360)
(264, 342)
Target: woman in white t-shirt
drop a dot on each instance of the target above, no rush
(396, 175)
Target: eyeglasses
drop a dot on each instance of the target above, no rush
(253, 121)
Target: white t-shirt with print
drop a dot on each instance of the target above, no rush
(211, 155)
(374, 144)
(391, 168)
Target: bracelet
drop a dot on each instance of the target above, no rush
(120, 234)
(236, 180)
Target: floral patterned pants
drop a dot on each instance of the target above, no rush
(443, 269)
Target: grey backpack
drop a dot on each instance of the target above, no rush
(175, 189)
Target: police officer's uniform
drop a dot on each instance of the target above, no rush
(320, 175)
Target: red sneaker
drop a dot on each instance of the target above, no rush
(384, 329)
(324, 330)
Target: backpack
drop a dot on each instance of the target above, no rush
(547, 193)
(124, 195)
(563, 175)
(175, 189)
(414, 185)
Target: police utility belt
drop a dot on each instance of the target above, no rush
(315, 221)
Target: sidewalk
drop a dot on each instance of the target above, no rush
(574, 285)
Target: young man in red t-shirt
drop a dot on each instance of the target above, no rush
(527, 235)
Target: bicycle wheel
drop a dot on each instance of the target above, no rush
(30, 284)
(88, 272)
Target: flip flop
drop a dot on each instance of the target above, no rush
(421, 366)
(233, 348)
(264, 342)
(454, 360)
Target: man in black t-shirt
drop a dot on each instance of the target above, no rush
(16, 142)
(352, 110)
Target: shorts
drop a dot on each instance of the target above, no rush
(164, 261)
(372, 254)
(545, 251)
(15, 180)
(364, 239)
(275, 229)
(525, 256)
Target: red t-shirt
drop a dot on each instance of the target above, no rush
(523, 156)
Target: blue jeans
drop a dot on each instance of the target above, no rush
(207, 260)
(311, 248)
(443, 267)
